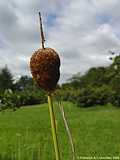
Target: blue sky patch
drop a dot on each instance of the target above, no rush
(51, 19)
(103, 18)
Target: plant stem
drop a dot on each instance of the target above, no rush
(67, 129)
(41, 31)
(53, 127)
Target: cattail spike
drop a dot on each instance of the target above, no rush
(45, 69)
(41, 31)
(44, 65)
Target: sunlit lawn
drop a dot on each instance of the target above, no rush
(26, 134)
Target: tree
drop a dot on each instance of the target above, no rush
(6, 79)
(24, 82)
(94, 77)
(99, 85)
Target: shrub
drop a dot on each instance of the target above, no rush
(32, 97)
(94, 96)
(115, 98)
(14, 100)
(90, 96)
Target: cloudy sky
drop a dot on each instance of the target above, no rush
(82, 31)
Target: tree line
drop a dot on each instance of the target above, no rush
(98, 86)
(16, 93)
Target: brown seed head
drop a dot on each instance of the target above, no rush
(44, 65)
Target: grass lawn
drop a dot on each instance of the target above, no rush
(26, 134)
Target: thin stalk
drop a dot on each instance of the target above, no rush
(68, 130)
(53, 127)
(39, 152)
(41, 31)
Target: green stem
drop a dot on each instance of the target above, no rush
(53, 127)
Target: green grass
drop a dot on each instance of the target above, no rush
(26, 133)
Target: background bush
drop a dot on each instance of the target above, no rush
(98, 86)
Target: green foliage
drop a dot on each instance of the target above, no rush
(94, 96)
(14, 94)
(100, 85)
(23, 83)
(6, 79)
(10, 100)
(14, 100)
(29, 97)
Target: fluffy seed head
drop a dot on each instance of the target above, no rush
(45, 68)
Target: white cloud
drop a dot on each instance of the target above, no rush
(82, 32)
